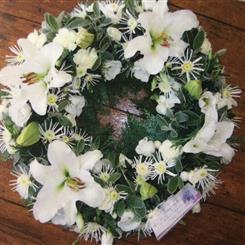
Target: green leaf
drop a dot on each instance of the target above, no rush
(120, 207)
(97, 63)
(80, 147)
(96, 9)
(51, 21)
(172, 184)
(178, 166)
(181, 117)
(135, 202)
(180, 183)
(199, 39)
(76, 22)
(114, 178)
(105, 43)
(147, 191)
(123, 188)
(140, 212)
(64, 121)
(62, 105)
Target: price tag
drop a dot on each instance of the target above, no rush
(171, 211)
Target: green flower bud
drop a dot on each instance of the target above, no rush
(147, 191)
(194, 88)
(84, 38)
(80, 222)
(29, 135)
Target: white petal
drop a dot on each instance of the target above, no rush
(153, 61)
(89, 159)
(29, 50)
(19, 114)
(40, 172)
(60, 154)
(58, 78)
(11, 75)
(93, 194)
(177, 48)
(141, 43)
(52, 52)
(181, 21)
(49, 201)
(37, 95)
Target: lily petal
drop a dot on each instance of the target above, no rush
(89, 159)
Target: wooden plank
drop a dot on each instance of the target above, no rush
(212, 226)
(226, 11)
(18, 228)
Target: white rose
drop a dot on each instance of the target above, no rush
(168, 151)
(111, 69)
(206, 47)
(145, 147)
(114, 33)
(66, 38)
(107, 238)
(37, 39)
(128, 221)
(20, 115)
(85, 59)
(76, 106)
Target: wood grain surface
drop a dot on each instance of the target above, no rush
(222, 220)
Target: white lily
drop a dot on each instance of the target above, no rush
(64, 182)
(162, 38)
(211, 138)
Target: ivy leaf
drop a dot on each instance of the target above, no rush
(180, 183)
(172, 184)
(199, 39)
(63, 104)
(178, 166)
(80, 147)
(105, 43)
(123, 188)
(140, 212)
(181, 117)
(96, 9)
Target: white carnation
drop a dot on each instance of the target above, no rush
(111, 69)
(140, 73)
(128, 221)
(145, 147)
(168, 151)
(66, 38)
(85, 59)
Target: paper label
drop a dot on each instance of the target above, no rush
(171, 211)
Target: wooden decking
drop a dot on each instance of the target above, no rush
(222, 220)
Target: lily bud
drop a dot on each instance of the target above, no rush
(84, 38)
(147, 191)
(194, 88)
(29, 135)
(80, 222)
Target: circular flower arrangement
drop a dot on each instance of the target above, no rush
(71, 171)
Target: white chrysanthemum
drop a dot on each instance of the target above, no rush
(76, 105)
(85, 60)
(3, 108)
(38, 39)
(66, 38)
(129, 24)
(51, 131)
(79, 134)
(18, 56)
(7, 143)
(111, 197)
(187, 66)
(112, 9)
(160, 168)
(111, 69)
(22, 183)
(145, 147)
(210, 188)
(54, 96)
(90, 80)
(114, 33)
(227, 97)
(105, 172)
(80, 11)
(93, 231)
(169, 151)
(142, 167)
